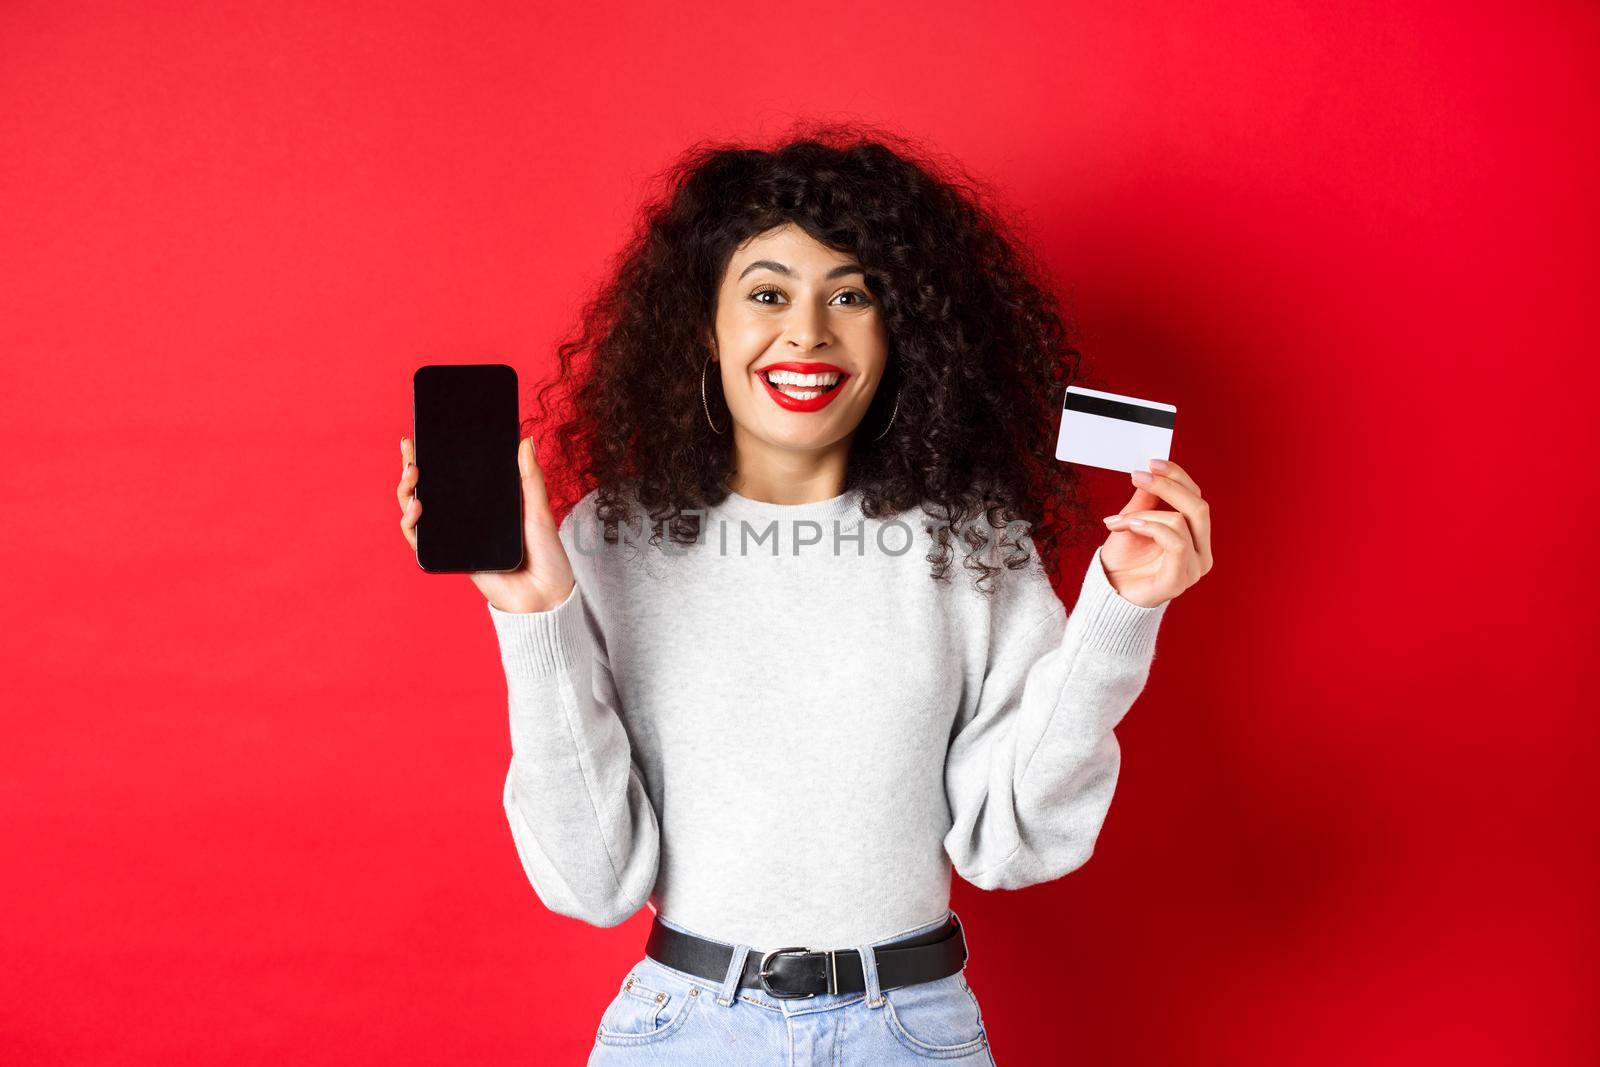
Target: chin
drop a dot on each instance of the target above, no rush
(803, 438)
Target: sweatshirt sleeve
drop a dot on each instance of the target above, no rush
(1032, 766)
(580, 816)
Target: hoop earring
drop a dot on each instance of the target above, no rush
(892, 414)
(703, 401)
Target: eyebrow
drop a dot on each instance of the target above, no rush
(771, 264)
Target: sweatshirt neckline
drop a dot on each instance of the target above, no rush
(738, 506)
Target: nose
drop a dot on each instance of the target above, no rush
(808, 328)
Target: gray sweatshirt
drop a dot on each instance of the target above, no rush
(788, 733)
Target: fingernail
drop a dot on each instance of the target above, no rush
(1158, 464)
(1112, 518)
(1135, 522)
(1142, 478)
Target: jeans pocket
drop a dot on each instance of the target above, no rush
(651, 1006)
(937, 1019)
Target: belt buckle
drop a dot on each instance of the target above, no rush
(766, 959)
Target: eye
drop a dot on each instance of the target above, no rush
(861, 298)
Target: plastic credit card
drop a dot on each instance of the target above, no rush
(1119, 433)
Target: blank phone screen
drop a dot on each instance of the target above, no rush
(466, 435)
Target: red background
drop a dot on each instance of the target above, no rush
(253, 757)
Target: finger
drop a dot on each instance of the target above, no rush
(408, 450)
(1176, 473)
(1140, 501)
(408, 485)
(1172, 520)
(1171, 490)
(1191, 506)
(408, 522)
(1163, 534)
(534, 496)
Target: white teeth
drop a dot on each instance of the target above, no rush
(801, 386)
(789, 377)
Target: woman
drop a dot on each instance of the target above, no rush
(738, 691)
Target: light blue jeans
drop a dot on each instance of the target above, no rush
(662, 1015)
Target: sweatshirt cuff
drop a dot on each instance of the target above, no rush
(537, 644)
(1108, 621)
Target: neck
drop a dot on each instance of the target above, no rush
(787, 476)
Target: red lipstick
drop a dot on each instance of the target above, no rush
(789, 403)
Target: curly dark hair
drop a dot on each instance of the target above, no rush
(978, 349)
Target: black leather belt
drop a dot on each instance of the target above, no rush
(795, 973)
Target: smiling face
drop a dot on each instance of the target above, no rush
(801, 345)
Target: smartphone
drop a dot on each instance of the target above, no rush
(466, 430)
